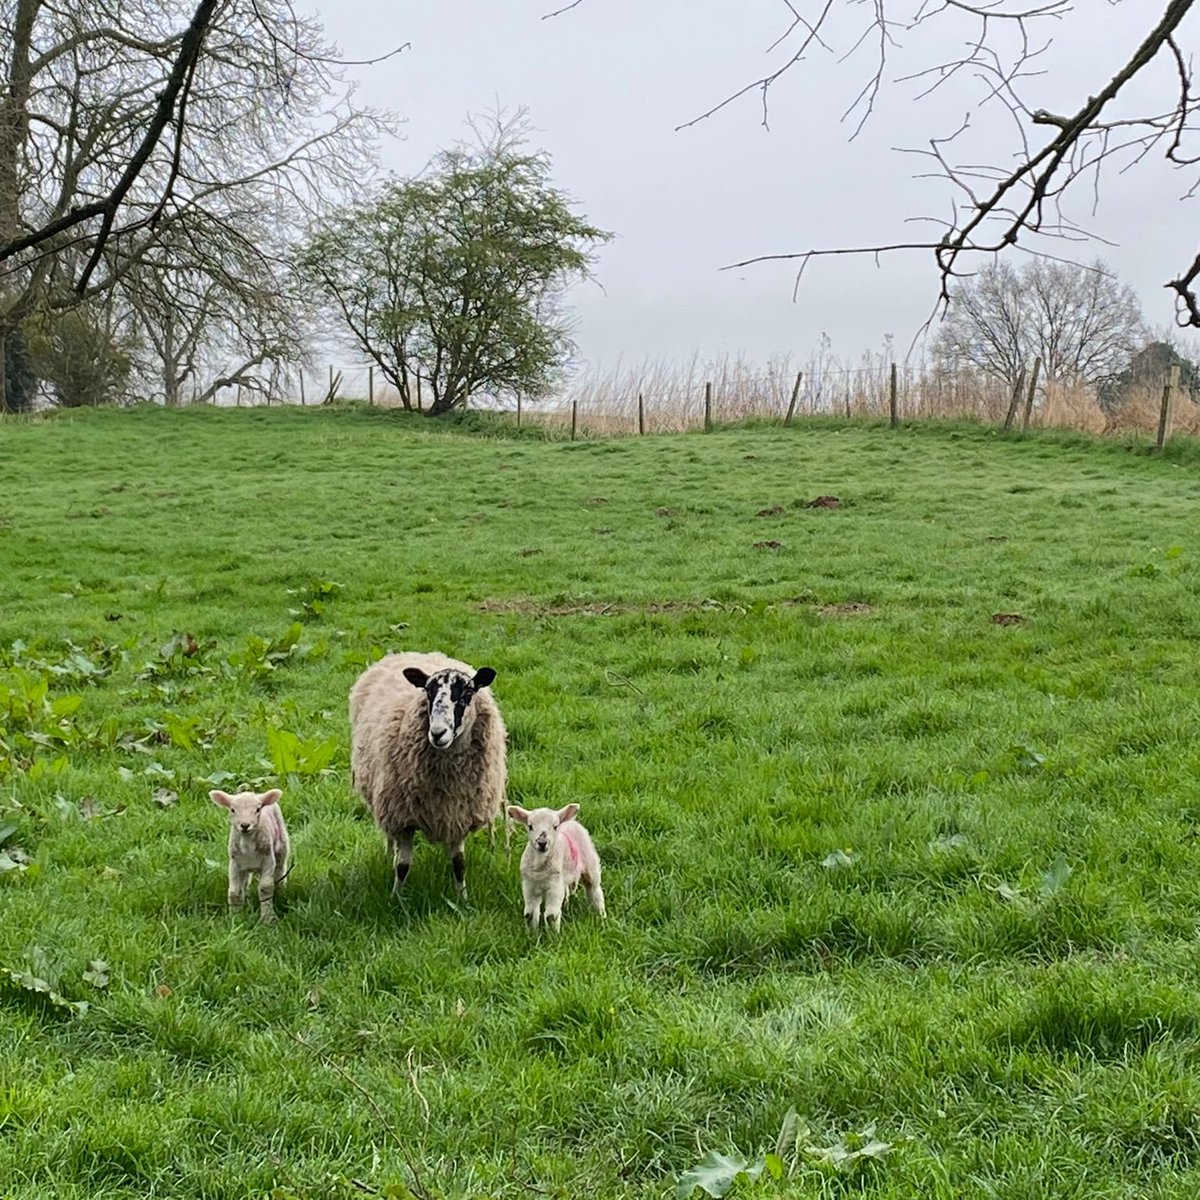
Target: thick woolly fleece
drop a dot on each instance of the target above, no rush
(405, 781)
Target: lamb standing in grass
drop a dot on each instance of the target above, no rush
(558, 857)
(258, 844)
(428, 752)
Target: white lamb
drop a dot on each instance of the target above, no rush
(258, 845)
(558, 857)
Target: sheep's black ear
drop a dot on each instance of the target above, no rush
(416, 677)
(484, 677)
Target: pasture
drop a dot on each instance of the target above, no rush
(870, 855)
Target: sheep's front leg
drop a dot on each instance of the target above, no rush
(458, 866)
(556, 893)
(237, 885)
(266, 891)
(402, 847)
(531, 891)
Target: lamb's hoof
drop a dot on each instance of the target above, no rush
(267, 918)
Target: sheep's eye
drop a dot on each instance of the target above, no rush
(555, 824)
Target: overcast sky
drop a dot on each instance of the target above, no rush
(606, 84)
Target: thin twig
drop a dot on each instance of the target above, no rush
(419, 1188)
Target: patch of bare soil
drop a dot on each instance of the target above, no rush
(824, 502)
(597, 608)
(594, 501)
(851, 609)
(996, 538)
(1008, 619)
(666, 512)
(776, 510)
(769, 544)
(529, 552)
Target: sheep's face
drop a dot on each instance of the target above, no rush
(245, 808)
(450, 694)
(543, 823)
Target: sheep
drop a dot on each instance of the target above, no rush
(258, 844)
(428, 753)
(558, 856)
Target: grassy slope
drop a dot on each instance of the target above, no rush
(1036, 1045)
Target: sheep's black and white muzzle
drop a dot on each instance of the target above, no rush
(449, 694)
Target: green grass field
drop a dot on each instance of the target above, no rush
(869, 855)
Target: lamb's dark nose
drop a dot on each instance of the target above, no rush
(541, 843)
(245, 827)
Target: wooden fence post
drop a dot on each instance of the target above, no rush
(708, 408)
(419, 408)
(518, 410)
(1016, 400)
(641, 415)
(574, 417)
(795, 396)
(1037, 366)
(302, 402)
(892, 398)
(371, 385)
(849, 389)
(1164, 416)
(239, 395)
(331, 381)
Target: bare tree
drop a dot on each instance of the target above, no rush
(1000, 194)
(1079, 321)
(256, 136)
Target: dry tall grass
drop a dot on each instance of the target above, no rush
(606, 402)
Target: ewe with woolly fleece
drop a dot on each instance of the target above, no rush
(428, 753)
(258, 845)
(558, 857)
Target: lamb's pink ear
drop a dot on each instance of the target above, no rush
(568, 813)
(221, 798)
(518, 814)
(272, 797)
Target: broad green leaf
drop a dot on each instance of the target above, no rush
(1057, 875)
(715, 1174)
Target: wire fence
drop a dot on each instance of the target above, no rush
(658, 398)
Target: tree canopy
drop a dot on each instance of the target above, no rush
(453, 281)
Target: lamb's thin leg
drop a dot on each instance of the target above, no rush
(595, 893)
(237, 885)
(532, 895)
(555, 895)
(458, 866)
(402, 846)
(266, 891)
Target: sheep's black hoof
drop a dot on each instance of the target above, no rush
(458, 866)
(401, 876)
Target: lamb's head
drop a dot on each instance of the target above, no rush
(245, 808)
(450, 693)
(543, 823)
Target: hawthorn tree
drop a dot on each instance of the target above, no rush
(456, 278)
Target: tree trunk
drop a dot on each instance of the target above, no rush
(170, 372)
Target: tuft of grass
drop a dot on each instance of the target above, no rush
(925, 878)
